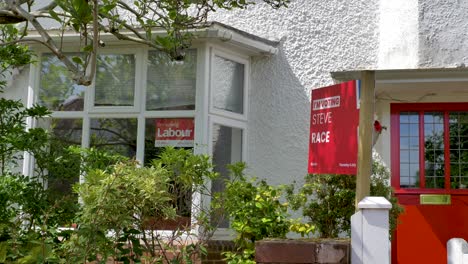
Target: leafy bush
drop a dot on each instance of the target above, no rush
(120, 202)
(328, 200)
(255, 212)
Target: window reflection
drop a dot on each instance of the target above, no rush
(227, 149)
(458, 126)
(228, 85)
(409, 150)
(170, 84)
(57, 90)
(115, 135)
(434, 149)
(115, 80)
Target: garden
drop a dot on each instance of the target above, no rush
(116, 212)
(119, 210)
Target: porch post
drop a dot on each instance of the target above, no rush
(366, 120)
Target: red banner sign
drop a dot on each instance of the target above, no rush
(177, 132)
(333, 129)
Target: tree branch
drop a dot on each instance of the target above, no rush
(78, 75)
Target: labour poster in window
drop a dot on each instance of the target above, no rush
(176, 132)
(334, 129)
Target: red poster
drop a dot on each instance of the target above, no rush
(177, 132)
(333, 129)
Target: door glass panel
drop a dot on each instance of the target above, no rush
(458, 126)
(57, 90)
(115, 80)
(409, 150)
(115, 135)
(434, 149)
(228, 85)
(227, 149)
(171, 84)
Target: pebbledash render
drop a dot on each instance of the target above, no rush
(247, 86)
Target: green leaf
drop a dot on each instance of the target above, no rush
(54, 15)
(77, 60)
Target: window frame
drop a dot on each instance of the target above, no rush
(420, 108)
(238, 58)
(138, 110)
(140, 67)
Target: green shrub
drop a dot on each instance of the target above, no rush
(254, 211)
(327, 201)
(120, 203)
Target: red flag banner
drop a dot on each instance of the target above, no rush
(334, 123)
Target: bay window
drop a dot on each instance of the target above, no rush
(141, 101)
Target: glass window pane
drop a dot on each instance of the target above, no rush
(171, 84)
(115, 135)
(227, 149)
(414, 143)
(404, 130)
(409, 150)
(228, 85)
(60, 167)
(115, 80)
(57, 90)
(414, 130)
(162, 132)
(458, 150)
(413, 118)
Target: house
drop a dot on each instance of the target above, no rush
(247, 81)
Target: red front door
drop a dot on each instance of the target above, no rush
(430, 177)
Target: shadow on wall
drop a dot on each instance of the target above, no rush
(279, 110)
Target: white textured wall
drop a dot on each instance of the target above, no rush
(317, 37)
(443, 34)
(398, 38)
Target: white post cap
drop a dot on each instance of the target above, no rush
(374, 202)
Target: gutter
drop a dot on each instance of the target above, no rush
(214, 31)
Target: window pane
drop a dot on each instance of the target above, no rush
(171, 84)
(434, 149)
(115, 80)
(162, 132)
(117, 135)
(158, 135)
(57, 90)
(228, 85)
(409, 150)
(227, 149)
(458, 150)
(58, 166)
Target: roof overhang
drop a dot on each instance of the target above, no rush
(414, 80)
(213, 31)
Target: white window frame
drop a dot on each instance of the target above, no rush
(227, 118)
(139, 54)
(239, 58)
(137, 111)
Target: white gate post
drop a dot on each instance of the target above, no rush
(370, 232)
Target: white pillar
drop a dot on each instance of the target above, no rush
(370, 241)
(457, 251)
